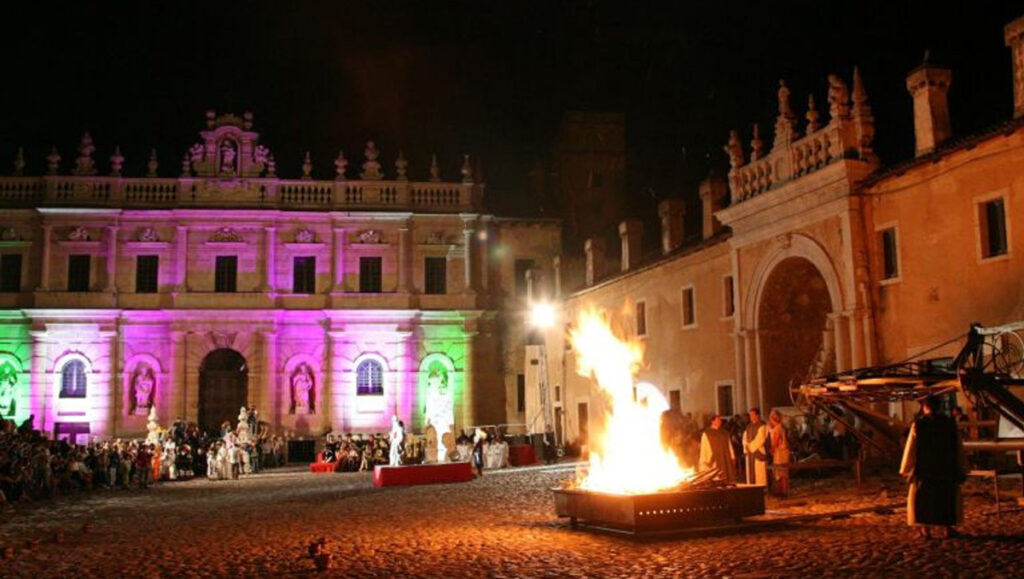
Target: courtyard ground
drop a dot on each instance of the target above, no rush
(502, 525)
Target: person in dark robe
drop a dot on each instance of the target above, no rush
(935, 465)
(716, 450)
(478, 451)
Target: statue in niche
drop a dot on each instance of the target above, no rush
(143, 389)
(303, 391)
(439, 411)
(242, 432)
(228, 155)
(8, 380)
(79, 234)
(148, 234)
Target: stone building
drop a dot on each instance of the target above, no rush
(815, 257)
(322, 303)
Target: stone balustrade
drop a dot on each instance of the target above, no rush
(141, 193)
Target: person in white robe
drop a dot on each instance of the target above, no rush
(755, 439)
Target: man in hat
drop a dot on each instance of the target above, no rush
(716, 450)
(935, 465)
(755, 438)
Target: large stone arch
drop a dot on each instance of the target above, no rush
(799, 285)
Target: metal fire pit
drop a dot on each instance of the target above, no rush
(662, 511)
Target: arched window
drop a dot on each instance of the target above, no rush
(72, 380)
(369, 378)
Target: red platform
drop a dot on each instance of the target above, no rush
(322, 467)
(521, 455)
(422, 474)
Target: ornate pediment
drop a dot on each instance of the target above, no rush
(148, 235)
(370, 236)
(305, 236)
(229, 149)
(79, 234)
(435, 238)
(9, 234)
(226, 235)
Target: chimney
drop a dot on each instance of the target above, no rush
(631, 232)
(712, 192)
(594, 248)
(672, 213)
(928, 85)
(1014, 36)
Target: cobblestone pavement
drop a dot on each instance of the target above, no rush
(502, 525)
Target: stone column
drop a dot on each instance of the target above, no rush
(40, 387)
(176, 372)
(269, 402)
(111, 285)
(180, 262)
(404, 259)
(828, 342)
(842, 335)
(739, 347)
(338, 260)
(44, 275)
(867, 326)
(270, 267)
(750, 370)
(468, 410)
(856, 330)
(467, 244)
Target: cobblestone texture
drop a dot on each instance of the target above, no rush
(502, 525)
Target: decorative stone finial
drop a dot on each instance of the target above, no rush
(862, 118)
(247, 120)
(152, 165)
(19, 163)
(271, 166)
(116, 162)
(401, 166)
(734, 148)
(371, 168)
(307, 168)
(211, 116)
(812, 115)
(756, 144)
(52, 161)
(435, 171)
(340, 166)
(838, 98)
(186, 166)
(467, 170)
(785, 124)
(84, 165)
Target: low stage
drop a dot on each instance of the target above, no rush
(422, 474)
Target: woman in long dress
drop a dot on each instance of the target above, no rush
(780, 451)
(935, 465)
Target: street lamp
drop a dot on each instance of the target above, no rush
(540, 317)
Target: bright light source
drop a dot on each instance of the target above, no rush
(542, 315)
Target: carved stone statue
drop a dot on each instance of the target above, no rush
(79, 234)
(340, 165)
(440, 410)
(19, 163)
(152, 165)
(148, 235)
(401, 166)
(305, 236)
(371, 236)
(242, 432)
(116, 162)
(303, 390)
(435, 171)
(307, 168)
(228, 156)
(812, 115)
(143, 389)
(8, 381)
(371, 168)
(397, 442)
(226, 235)
(52, 161)
(84, 165)
(756, 145)
(467, 170)
(196, 153)
(734, 149)
(838, 97)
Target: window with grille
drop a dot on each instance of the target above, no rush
(435, 274)
(370, 275)
(304, 275)
(10, 272)
(72, 380)
(78, 273)
(147, 268)
(225, 276)
(369, 378)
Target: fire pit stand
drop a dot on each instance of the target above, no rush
(661, 511)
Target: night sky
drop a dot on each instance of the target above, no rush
(487, 78)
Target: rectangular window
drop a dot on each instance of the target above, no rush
(79, 267)
(147, 269)
(304, 275)
(890, 261)
(522, 266)
(641, 318)
(370, 275)
(10, 272)
(520, 392)
(689, 314)
(725, 400)
(435, 276)
(225, 277)
(727, 297)
(674, 401)
(992, 216)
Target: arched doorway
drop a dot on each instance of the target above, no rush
(223, 388)
(791, 320)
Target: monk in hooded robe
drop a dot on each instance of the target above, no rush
(935, 465)
(716, 451)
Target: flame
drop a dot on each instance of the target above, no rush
(628, 456)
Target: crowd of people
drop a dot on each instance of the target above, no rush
(33, 466)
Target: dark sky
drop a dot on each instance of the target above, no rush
(487, 78)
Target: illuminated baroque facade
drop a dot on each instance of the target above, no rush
(814, 257)
(324, 304)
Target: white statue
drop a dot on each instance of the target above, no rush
(243, 426)
(154, 429)
(440, 413)
(227, 157)
(143, 385)
(302, 390)
(397, 441)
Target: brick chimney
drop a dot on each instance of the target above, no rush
(1014, 36)
(928, 85)
(673, 214)
(713, 191)
(594, 248)
(631, 232)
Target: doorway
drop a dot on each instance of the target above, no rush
(223, 389)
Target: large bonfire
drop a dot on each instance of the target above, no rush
(627, 455)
